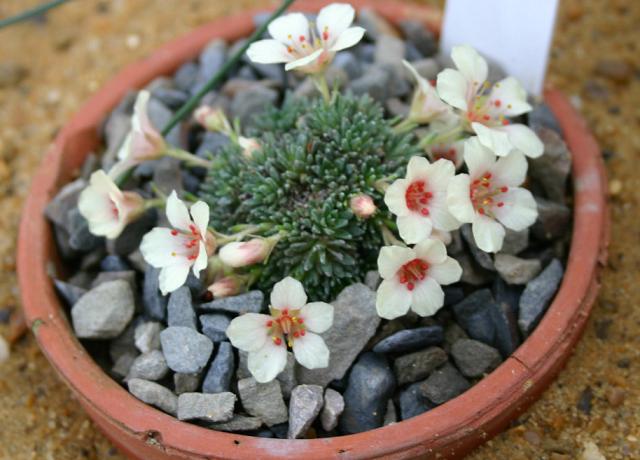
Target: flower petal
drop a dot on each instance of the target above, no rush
(395, 198)
(288, 293)
(512, 97)
(173, 276)
(418, 168)
(452, 88)
(348, 38)
(290, 27)
(200, 214)
(448, 272)
(334, 20)
(201, 261)
(267, 362)
(391, 258)
(494, 139)
(431, 250)
(439, 174)
(249, 332)
(158, 245)
(317, 316)
(414, 227)
(427, 297)
(440, 215)
(458, 201)
(471, 65)
(510, 170)
(524, 139)
(487, 233)
(268, 52)
(479, 159)
(304, 61)
(392, 299)
(177, 213)
(311, 351)
(519, 211)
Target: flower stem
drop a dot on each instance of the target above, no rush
(440, 138)
(187, 157)
(154, 203)
(405, 126)
(320, 81)
(389, 238)
(28, 14)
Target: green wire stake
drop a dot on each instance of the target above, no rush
(28, 14)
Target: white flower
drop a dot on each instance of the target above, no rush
(363, 206)
(419, 200)
(107, 209)
(486, 112)
(426, 105)
(241, 254)
(489, 196)
(292, 322)
(143, 143)
(412, 278)
(296, 43)
(186, 246)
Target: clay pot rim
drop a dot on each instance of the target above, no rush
(450, 429)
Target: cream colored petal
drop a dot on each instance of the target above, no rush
(288, 293)
(317, 316)
(395, 198)
(177, 213)
(266, 363)
(524, 139)
(519, 211)
(173, 276)
(392, 299)
(431, 250)
(458, 201)
(452, 88)
(488, 234)
(427, 297)
(414, 227)
(311, 351)
(348, 38)
(200, 216)
(334, 20)
(268, 52)
(249, 332)
(471, 65)
(391, 258)
(448, 272)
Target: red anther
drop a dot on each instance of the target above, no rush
(277, 341)
(412, 271)
(174, 232)
(481, 211)
(500, 204)
(269, 323)
(487, 175)
(486, 117)
(325, 35)
(505, 122)
(429, 195)
(424, 200)
(410, 286)
(424, 211)
(302, 38)
(497, 102)
(303, 332)
(504, 189)
(300, 321)
(285, 312)
(192, 257)
(290, 49)
(296, 334)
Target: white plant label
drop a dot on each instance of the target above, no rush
(514, 34)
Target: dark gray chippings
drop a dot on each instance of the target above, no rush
(375, 25)
(287, 377)
(130, 238)
(371, 383)
(149, 366)
(186, 76)
(419, 36)
(250, 302)
(413, 402)
(472, 273)
(332, 409)
(537, 295)
(411, 339)
(304, 406)
(66, 199)
(121, 366)
(348, 62)
(255, 100)
(552, 169)
(474, 315)
(147, 336)
(153, 302)
(125, 342)
(374, 82)
(373, 279)
(553, 221)
(212, 144)
(154, 394)
(507, 337)
(185, 349)
(105, 277)
(180, 310)
(515, 270)
(444, 384)
(80, 238)
(427, 68)
(69, 292)
(186, 383)
(116, 129)
(103, 312)
(391, 415)
(482, 258)
(206, 407)
(473, 358)
(214, 326)
(452, 295)
(263, 400)
(452, 333)
(542, 117)
(167, 175)
(238, 423)
(418, 365)
(114, 263)
(515, 242)
(218, 378)
(212, 59)
(171, 97)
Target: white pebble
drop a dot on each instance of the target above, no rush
(4, 350)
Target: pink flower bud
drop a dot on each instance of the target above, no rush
(363, 206)
(248, 145)
(225, 287)
(246, 253)
(212, 119)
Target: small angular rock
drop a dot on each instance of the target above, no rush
(304, 406)
(186, 383)
(553, 220)
(238, 423)
(444, 384)
(104, 277)
(515, 270)
(537, 295)
(147, 336)
(474, 359)
(413, 402)
(253, 101)
(333, 408)
(218, 378)
(206, 407)
(180, 310)
(515, 242)
(214, 326)
(417, 366)
(391, 416)
(419, 36)
(251, 302)
(154, 303)
(411, 339)
(263, 400)
(185, 349)
(149, 366)
(104, 311)
(154, 394)
(552, 169)
(70, 293)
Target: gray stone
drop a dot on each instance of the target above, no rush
(396, 107)
(130, 238)
(472, 273)
(374, 82)
(214, 326)
(375, 25)
(427, 68)
(335, 76)
(243, 365)
(57, 211)
(332, 409)
(254, 101)
(69, 292)
(167, 175)
(304, 406)
(355, 305)
(537, 296)
(185, 349)
(159, 116)
(218, 378)
(104, 311)
(186, 76)
(123, 363)
(238, 423)
(149, 366)
(482, 258)
(153, 302)
(515, 242)
(114, 263)
(180, 310)
(147, 336)
(206, 407)
(212, 58)
(419, 36)
(417, 366)
(411, 339)
(515, 270)
(349, 63)
(115, 131)
(391, 415)
(125, 342)
(186, 383)
(263, 400)
(542, 117)
(154, 394)
(506, 338)
(372, 279)
(80, 238)
(390, 51)
(250, 302)
(553, 221)
(171, 97)
(552, 169)
(452, 333)
(413, 402)
(444, 384)
(474, 359)
(105, 277)
(370, 385)
(475, 317)
(212, 144)
(287, 377)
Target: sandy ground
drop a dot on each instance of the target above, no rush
(49, 67)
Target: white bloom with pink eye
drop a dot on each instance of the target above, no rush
(363, 206)
(411, 278)
(426, 105)
(184, 247)
(487, 112)
(420, 199)
(303, 47)
(212, 119)
(489, 197)
(143, 143)
(245, 253)
(292, 322)
(108, 209)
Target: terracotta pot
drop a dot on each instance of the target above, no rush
(450, 430)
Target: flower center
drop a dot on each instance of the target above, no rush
(484, 194)
(287, 323)
(190, 241)
(444, 152)
(486, 110)
(417, 197)
(412, 272)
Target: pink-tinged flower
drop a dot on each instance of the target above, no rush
(419, 200)
(296, 43)
(486, 112)
(108, 209)
(363, 206)
(452, 151)
(426, 105)
(226, 286)
(489, 197)
(245, 253)
(213, 119)
(411, 278)
(185, 246)
(143, 143)
(248, 145)
(292, 322)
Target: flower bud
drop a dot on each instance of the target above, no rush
(225, 287)
(363, 206)
(250, 252)
(248, 145)
(213, 119)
